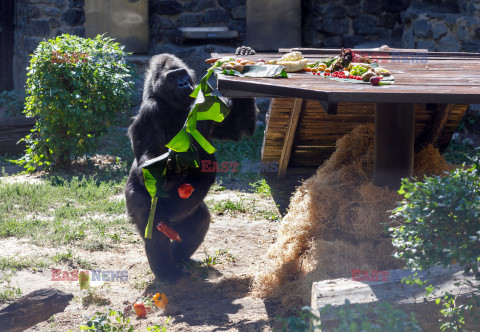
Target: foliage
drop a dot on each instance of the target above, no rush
(12, 102)
(115, 321)
(262, 187)
(441, 225)
(382, 317)
(76, 87)
(441, 220)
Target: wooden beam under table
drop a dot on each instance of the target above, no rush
(394, 143)
(298, 105)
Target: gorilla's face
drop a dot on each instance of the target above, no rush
(173, 81)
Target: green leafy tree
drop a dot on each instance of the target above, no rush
(441, 225)
(76, 87)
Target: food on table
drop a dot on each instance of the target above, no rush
(344, 60)
(367, 76)
(358, 70)
(375, 80)
(293, 62)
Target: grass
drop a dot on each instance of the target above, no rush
(61, 210)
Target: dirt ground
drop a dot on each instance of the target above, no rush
(214, 298)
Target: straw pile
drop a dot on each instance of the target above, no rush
(334, 222)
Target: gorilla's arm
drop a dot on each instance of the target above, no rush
(148, 139)
(240, 121)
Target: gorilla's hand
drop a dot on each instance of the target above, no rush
(245, 50)
(175, 174)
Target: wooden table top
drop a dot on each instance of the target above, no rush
(419, 78)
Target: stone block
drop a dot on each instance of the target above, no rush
(229, 4)
(39, 28)
(333, 41)
(462, 32)
(168, 7)
(79, 31)
(161, 22)
(216, 16)
(439, 30)
(74, 17)
(200, 5)
(239, 12)
(365, 25)
(426, 44)
(54, 23)
(448, 44)
(76, 3)
(59, 3)
(422, 28)
(333, 26)
(396, 6)
(373, 7)
(408, 40)
(331, 10)
(471, 46)
(33, 11)
(189, 20)
(52, 11)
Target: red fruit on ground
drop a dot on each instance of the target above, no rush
(140, 309)
(185, 190)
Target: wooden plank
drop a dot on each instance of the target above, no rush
(391, 290)
(289, 137)
(32, 309)
(440, 120)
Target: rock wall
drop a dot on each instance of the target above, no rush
(166, 15)
(436, 25)
(351, 22)
(36, 20)
(448, 25)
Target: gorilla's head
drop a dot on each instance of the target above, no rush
(170, 79)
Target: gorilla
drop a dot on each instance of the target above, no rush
(165, 105)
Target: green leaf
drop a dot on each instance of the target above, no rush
(181, 141)
(149, 228)
(188, 158)
(270, 71)
(202, 141)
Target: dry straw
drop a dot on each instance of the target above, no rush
(334, 222)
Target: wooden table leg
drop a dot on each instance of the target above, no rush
(394, 143)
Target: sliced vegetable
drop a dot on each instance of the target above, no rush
(170, 233)
(160, 303)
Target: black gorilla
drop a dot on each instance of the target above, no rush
(165, 106)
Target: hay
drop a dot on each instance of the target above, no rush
(334, 222)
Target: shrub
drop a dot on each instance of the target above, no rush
(75, 88)
(441, 220)
(441, 225)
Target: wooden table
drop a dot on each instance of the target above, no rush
(438, 78)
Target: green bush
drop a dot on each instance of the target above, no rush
(382, 317)
(441, 220)
(441, 225)
(76, 87)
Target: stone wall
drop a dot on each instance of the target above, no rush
(36, 20)
(166, 15)
(436, 25)
(448, 25)
(351, 22)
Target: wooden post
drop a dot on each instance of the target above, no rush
(298, 104)
(394, 143)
